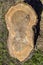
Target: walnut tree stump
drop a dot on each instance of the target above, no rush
(20, 19)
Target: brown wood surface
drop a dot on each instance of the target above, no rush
(19, 18)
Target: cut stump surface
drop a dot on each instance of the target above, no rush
(20, 20)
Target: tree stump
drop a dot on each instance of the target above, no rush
(20, 19)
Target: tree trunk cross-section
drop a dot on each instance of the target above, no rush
(20, 27)
(20, 20)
